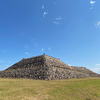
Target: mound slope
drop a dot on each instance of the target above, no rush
(47, 68)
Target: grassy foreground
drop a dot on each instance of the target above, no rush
(71, 89)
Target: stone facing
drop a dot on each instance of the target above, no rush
(29, 62)
(34, 73)
(45, 67)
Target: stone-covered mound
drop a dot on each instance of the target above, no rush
(47, 68)
(28, 63)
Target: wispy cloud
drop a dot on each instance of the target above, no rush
(36, 44)
(25, 46)
(92, 2)
(32, 40)
(1, 61)
(49, 48)
(27, 53)
(22, 33)
(5, 51)
(9, 61)
(55, 3)
(97, 24)
(42, 7)
(96, 70)
(45, 13)
(58, 18)
(7, 65)
(42, 49)
(98, 65)
(55, 22)
(69, 65)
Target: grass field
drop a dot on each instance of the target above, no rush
(69, 89)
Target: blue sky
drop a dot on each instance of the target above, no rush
(65, 29)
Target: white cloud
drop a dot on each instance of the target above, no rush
(1, 61)
(9, 61)
(5, 51)
(55, 22)
(69, 65)
(96, 70)
(55, 3)
(98, 65)
(45, 13)
(58, 18)
(22, 34)
(7, 65)
(32, 40)
(26, 46)
(42, 7)
(36, 44)
(27, 53)
(97, 24)
(42, 49)
(49, 48)
(92, 2)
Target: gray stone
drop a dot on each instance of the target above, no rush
(45, 67)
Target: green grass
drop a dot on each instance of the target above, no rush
(69, 89)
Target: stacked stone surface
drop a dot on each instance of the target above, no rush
(29, 62)
(47, 68)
